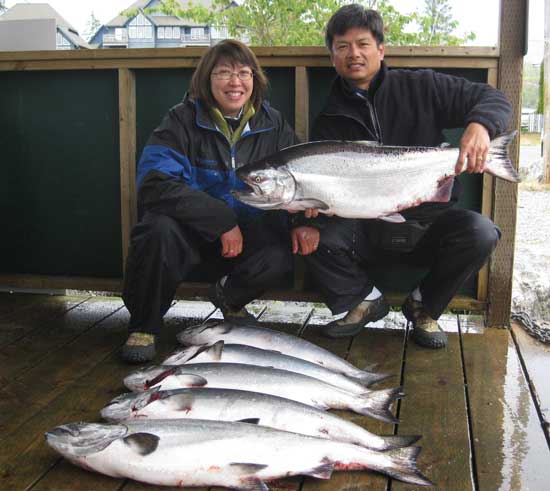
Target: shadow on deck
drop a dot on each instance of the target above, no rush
(482, 404)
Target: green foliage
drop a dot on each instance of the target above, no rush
(530, 86)
(540, 105)
(436, 26)
(302, 22)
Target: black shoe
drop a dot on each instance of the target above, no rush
(356, 318)
(230, 313)
(139, 348)
(426, 331)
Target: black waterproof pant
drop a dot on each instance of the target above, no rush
(163, 252)
(454, 246)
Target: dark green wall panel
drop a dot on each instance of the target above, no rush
(59, 192)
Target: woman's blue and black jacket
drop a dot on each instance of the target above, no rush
(187, 168)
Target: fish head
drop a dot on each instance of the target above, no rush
(269, 187)
(81, 439)
(126, 406)
(145, 378)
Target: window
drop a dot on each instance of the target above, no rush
(197, 32)
(119, 34)
(176, 33)
(160, 33)
(133, 32)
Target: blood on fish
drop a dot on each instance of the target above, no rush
(215, 468)
(159, 378)
(349, 466)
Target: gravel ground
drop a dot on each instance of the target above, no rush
(531, 281)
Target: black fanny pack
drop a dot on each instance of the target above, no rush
(396, 237)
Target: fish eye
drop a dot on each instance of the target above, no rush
(258, 179)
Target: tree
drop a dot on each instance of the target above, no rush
(2, 6)
(437, 26)
(302, 22)
(91, 28)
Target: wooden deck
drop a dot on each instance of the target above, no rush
(482, 404)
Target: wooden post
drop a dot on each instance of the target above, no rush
(512, 33)
(127, 131)
(546, 133)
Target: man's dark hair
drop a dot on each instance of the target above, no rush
(354, 15)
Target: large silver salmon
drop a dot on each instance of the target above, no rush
(269, 339)
(359, 179)
(220, 352)
(240, 405)
(218, 453)
(265, 380)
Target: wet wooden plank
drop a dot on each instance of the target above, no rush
(49, 337)
(86, 397)
(381, 349)
(536, 356)
(14, 302)
(40, 310)
(510, 448)
(41, 383)
(435, 407)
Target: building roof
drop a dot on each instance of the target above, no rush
(31, 11)
(159, 18)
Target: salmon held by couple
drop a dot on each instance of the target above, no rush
(361, 179)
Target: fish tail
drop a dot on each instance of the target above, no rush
(398, 441)
(402, 466)
(377, 404)
(498, 159)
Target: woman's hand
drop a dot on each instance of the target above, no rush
(232, 242)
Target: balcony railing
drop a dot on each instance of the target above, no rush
(112, 39)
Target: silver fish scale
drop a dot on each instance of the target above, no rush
(381, 183)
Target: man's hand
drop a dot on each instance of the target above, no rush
(232, 242)
(474, 145)
(304, 240)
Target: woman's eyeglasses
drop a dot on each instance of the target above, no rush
(243, 75)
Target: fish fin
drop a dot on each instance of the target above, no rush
(444, 190)
(142, 443)
(249, 483)
(403, 466)
(393, 218)
(180, 357)
(182, 402)
(444, 145)
(398, 441)
(251, 421)
(498, 161)
(377, 404)
(254, 485)
(191, 380)
(369, 378)
(216, 350)
(322, 471)
(320, 405)
(311, 203)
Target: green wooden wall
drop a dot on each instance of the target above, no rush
(59, 191)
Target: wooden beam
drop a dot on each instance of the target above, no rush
(301, 103)
(512, 34)
(483, 276)
(127, 132)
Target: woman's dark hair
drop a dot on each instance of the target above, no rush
(231, 51)
(354, 15)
